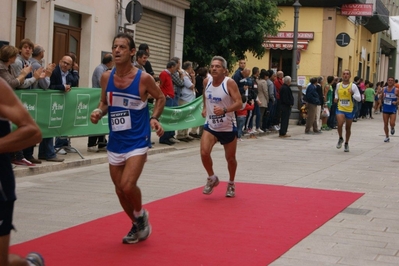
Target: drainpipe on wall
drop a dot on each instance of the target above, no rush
(119, 4)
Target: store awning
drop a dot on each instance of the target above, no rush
(285, 44)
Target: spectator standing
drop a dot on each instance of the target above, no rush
(287, 101)
(63, 79)
(241, 115)
(99, 143)
(369, 94)
(263, 96)
(312, 99)
(46, 147)
(187, 96)
(199, 88)
(166, 87)
(147, 66)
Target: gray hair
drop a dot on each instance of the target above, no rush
(187, 65)
(37, 50)
(320, 79)
(221, 59)
(287, 79)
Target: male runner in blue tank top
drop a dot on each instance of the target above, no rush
(389, 106)
(221, 98)
(124, 98)
(26, 135)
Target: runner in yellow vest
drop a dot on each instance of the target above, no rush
(345, 95)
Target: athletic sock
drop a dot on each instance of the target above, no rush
(213, 177)
(231, 182)
(139, 213)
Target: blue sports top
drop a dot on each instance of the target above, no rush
(128, 117)
(389, 97)
(7, 181)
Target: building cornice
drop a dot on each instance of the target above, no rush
(179, 3)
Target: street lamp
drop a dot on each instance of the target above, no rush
(294, 77)
(294, 85)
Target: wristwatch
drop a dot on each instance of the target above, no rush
(224, 109)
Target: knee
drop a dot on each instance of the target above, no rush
(231, 160)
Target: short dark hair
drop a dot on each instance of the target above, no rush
(106, 59)
(144, 46)
(123, 35)
(171, 64)
(140, 53)
(330, 79)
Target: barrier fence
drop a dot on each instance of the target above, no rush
(68, 114)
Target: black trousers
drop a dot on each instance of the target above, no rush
(97, 140)
(285, 118)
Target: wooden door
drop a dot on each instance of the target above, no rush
(66, 39)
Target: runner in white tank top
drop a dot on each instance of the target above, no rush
(221, 98)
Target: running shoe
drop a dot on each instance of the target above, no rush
(339, 144)
(35, 259)
(143, 226)
(231, 191)
(386, 140)
(260, 130)
(392, 131)
(132, 237)
(210, 184)
(346, 149)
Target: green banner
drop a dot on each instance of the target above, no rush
(68, 114)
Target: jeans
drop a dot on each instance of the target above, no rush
(61, 142)
(170, 102)
(272, 111)
(240, 125)
(46, 149)
(332, 119)
(255, 112)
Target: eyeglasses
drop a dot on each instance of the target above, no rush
(66, 63)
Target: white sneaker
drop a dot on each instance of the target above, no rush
(276, 128)
(240, 139)
(62, 152)
(92, 149)
(260, 130)
(173, 140)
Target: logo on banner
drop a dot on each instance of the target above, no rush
(57, 110)
(29, 101)
(82, 110)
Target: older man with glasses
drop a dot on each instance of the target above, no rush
(63, 79)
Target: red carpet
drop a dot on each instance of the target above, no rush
(255, 228)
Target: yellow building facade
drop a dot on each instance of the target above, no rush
(322, 55)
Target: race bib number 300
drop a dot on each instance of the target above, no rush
(120, 121)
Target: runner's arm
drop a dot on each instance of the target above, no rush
(27, 132)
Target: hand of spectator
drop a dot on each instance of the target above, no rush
(26, 70)
(156, 126)
(50, 69)
(39, 73)
(75, 66)
(67, 88)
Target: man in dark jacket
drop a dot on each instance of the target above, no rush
(312, 99)
(286, 103)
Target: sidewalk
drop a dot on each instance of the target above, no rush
(73, 160)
